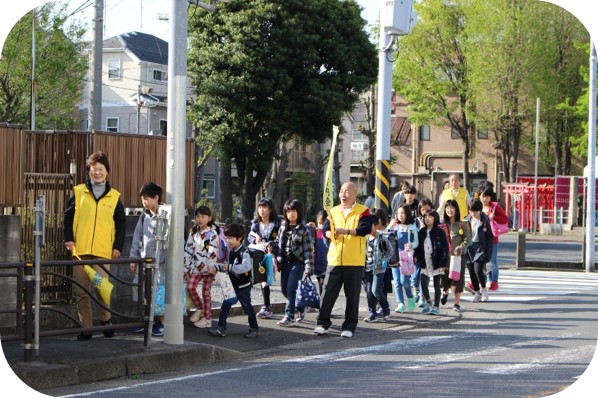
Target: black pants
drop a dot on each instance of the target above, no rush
(477, 275)
(348, 277)
(425, 281)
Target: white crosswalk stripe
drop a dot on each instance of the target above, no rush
(524, 285)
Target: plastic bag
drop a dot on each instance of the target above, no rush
(307, 294)
(406, 262)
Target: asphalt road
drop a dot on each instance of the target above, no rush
(536, 337)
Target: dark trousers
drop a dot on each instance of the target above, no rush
(477, 275)
(244, 297)
(348, 277)
(425, 282)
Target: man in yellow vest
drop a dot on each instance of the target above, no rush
(94, 227)
(346, 259)
(456, 192)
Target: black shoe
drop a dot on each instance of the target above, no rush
(444, 298)
(109, 332)
(84, 337)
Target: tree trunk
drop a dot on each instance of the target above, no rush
(226, 191)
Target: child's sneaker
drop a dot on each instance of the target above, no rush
(477, 297)
(444, 298)
(203, 323)
(302, 314)
(484, 295)
(427, 309)
(380, 313)
(196, 316)
(435, 311)
(422, 301)
(371, 318)
(158, 329)
(493, 286)
(386, 314)
(400, 307)
(265, 312)
(252, 333)
(457, 308)
(286, 321)
(217, 332)
(411, 304)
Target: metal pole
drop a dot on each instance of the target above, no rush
(95, 108)
(382, 190)
(138, 107)
(535, 220)
(175, 170)
(32, 104)
(591, 198)
(39, 242)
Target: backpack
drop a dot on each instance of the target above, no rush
(223, 249)
(386, 248)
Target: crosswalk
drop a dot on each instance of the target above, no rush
(525, 285)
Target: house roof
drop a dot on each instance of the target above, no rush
(144, 46)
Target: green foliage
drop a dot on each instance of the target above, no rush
(59, 70)
(271, 71)
(205, 201)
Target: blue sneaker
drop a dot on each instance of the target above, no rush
(435, 311)
(427, 309)
(421, 303)
(371, 318)
(158, 329)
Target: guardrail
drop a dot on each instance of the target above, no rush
(27, 312)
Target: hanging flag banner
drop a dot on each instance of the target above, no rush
(328, 198)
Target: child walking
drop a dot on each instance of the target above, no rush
(432, 258)
(320, 251)
(480, 250)
(144, 245)
(201, 252)
(264, 233)
(458, 234)
(378, 254)
(423, 206)
(407, 239)
(239, 270)
(296, 258)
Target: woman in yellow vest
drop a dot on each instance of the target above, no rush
(94, 227)
(455, 192)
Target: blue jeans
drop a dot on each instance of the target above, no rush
(244, 298)
(398, 283)
(289, 282)
(373, 284)
(493, 274)
(416, 278)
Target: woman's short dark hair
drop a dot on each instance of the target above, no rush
(98, 157)
(293, 204)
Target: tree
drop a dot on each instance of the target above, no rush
(59, 71)
(269, 71)
(432, 71)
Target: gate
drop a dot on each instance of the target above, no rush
(57, 190)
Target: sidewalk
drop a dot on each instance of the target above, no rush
(65, 361)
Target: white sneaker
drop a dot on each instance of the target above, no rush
(320, 330)
(477, 297)
(203, 323)
(346, 334)
(196, 316)
(484, 295)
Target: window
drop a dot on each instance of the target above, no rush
(210, 186)
(160, 76)
(163, 126)
(483, 134)
(112, 124)
(424, 133)
(455, 134)
(114, 69)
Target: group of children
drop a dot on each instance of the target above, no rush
(403, 255)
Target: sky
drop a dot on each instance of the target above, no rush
(127, 15)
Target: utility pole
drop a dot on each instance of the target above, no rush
(591, 190)
(175, 170)
(397, 19)
(95, 96)
(32, 104)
